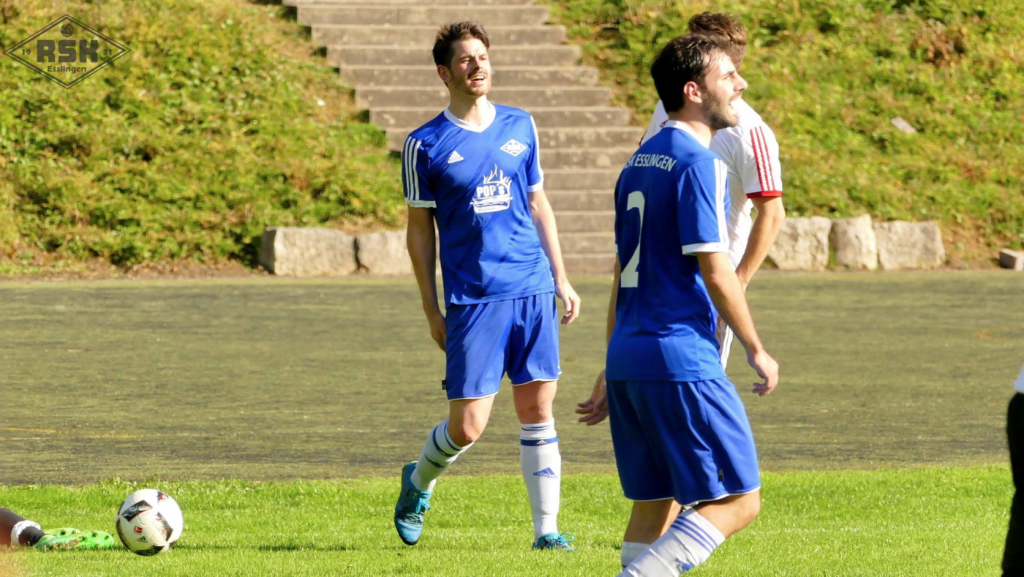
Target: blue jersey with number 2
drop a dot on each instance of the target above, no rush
(671, 202)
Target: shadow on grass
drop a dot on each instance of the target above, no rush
(280, 548)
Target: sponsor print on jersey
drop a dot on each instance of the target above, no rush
(495, 194)
(513, 147)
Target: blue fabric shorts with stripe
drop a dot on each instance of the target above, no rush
(487, 340)
(687, 441)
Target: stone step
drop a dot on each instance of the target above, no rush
(587, 242)
(543, 55)
(551, 138)
(526, 98)
(415, 15)
(404, 118)
(539, 76)
(576, 200)
(579, 179)
(585, 221)
(589, 263)
(585, 157)
(423, 36)
(378, 3)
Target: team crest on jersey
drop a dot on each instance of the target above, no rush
(495, 194)
(455, 157)
(514, 147)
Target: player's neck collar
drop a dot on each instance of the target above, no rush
(682, 126)
(490, 113)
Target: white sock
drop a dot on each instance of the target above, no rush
(438, 452)
(631, 550)
(687, 544)
(541, 464)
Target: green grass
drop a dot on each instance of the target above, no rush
(928, 522)
(277, 379)
(884, 446)
(830, 75)
(185, 150)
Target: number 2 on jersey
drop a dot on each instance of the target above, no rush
(630, 276)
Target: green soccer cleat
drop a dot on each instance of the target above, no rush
(412, 503)
(80, 540)
(61, 532)
(555, 542)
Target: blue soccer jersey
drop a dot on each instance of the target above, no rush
(478, 179)
(670, 203)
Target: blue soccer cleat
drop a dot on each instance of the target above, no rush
(554, 541)
(412, 503)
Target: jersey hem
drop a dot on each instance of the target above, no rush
(668, 377)
(503, 297)
(764, 194)
(421, 203)
(706, 247)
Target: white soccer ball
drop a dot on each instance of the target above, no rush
(149, 521)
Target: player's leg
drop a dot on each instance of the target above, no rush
(703, 430)
(647, 522)
(540, 460)
(533, 367)
(642, 470)
(17, 530)
(475, 351)
(1013, 556)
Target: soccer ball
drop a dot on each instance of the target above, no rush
(149, 521)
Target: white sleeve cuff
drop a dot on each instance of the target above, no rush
(536, 187)
(421, 203)
(706, 247)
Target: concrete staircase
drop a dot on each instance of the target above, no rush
(382, 48)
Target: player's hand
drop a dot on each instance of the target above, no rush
(438, 328)
(571, 301)
(595, 409)
(767, 369)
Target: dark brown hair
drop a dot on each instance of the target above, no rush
(724, 29)
(684, 59)
(451, 33)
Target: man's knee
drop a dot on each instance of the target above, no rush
(748, 508)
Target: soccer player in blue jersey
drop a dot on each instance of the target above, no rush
(679, 429)
(475, 171)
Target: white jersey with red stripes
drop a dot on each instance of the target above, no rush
(751, 152)
(1019, 385)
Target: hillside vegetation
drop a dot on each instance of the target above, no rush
(830, 75)
(219, 123)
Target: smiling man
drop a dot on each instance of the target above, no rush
(679, 429)
(475, 171)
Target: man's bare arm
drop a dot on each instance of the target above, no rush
(726, 292)
(770, 214)
(547, 230)
(420, 240)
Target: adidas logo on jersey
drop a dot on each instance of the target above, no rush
(513, 147)
(455, 157)
(547, 473)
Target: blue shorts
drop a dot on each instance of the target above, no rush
(486, 340)
(687, 441)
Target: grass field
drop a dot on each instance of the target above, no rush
(272, 382)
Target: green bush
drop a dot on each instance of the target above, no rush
(830, 75)
(208, 132)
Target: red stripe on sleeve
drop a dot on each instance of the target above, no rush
(767, 157)
(757, 160)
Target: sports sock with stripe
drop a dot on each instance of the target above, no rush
(438, 452)
(631, 550)
(687, 544)
(541, 464)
